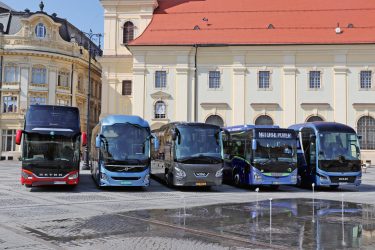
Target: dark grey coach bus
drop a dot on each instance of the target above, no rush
(188, 154)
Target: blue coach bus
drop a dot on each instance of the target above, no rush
(260, 155)
(329, 156)
(120, 151)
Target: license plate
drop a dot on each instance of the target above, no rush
(201, 184)
(126, 183)
(59, 182)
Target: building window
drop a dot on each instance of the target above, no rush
(264, 79)
(315, 118)
(63, 79)
(215, 120)
(214, 79)
(365, 79)
(8, 140)
(366, 129)
(160, 110)
(39, 75)
(63, 102)
(264, 120)
(128, 32)
(10, 74)
(10, 104)
(37, 100)
(160, 79)
(126, 87)
(314, 79)
(40, 30)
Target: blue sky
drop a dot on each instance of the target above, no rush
(84, 14)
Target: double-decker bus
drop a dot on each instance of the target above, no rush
(51, 146)
(188, 154)
(260, 155)
(120, 151)
(330, 154)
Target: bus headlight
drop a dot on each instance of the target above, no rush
(257, 177)
(147, 179)
(103, 177)
(26, 175)
(294, 178)
(180, 174)
(219, 173)
(73, 176)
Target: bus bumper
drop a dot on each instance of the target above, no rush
(113, 179)
(259, 178)
(30, 179)
(334, 179)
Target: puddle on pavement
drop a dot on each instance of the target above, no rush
(281, 223)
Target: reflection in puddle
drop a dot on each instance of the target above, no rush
(299, 223)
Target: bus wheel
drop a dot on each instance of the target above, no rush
(334, 187)
(28, 185)
(236, 179)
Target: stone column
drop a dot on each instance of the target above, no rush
(139, 91)
(181, 109)
(52, 83)
(238, 99)
(340, 94)
(289, 97)
(24, 85)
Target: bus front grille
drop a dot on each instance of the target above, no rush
(126, 178)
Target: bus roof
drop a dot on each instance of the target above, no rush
(47, 118)
(113, 119)
(248, 127)
(324, 127)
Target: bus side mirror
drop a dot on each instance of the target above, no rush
(359, 137)
(84, 138)
(174, 135)
(98, 141)
(156, 143)
(254, 144)
(19, 137)
(313, 138)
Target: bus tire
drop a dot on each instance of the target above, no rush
(28, 185)
(236, 179)
(274, 187)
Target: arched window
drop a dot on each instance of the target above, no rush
(40, 30)
(160, 110)
(366, 129)
(315, 118)
(128, 32)
(215, 120)
(264, 120)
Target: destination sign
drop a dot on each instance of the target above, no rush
(280, 135)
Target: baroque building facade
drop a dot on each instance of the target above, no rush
(241, 62)
(44, 60)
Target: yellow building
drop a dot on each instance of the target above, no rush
(241, 61)
(44, 60)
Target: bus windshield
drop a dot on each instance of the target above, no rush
(336, 145)
(125, 142)
(198, 142)
(279, 150)
(42, 147)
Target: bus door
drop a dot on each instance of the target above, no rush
(309, 148)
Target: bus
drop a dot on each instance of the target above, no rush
(51, 146)
(188, 154)
(260, 155)
(329, 156)
(120, 152)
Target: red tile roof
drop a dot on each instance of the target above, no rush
(246, 22)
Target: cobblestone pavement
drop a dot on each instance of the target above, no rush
(61, 218)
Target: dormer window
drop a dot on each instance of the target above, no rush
(40, 30)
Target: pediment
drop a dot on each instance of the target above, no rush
(161, 95)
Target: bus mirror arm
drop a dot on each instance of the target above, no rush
(98, 141)
(19, 136)
(84, 139)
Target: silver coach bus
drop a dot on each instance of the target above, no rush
(188, 154)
